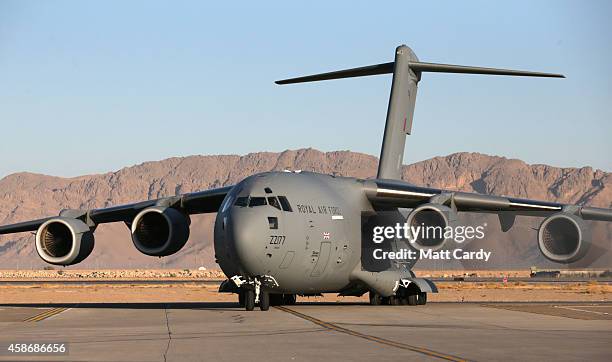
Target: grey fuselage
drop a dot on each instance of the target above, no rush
(314, 248)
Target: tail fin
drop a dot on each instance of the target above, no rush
(406, 71)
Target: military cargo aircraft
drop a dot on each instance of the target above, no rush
(282, 234)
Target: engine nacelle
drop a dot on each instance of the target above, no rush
(160, 231)
(64, 241)
(563, 238)
(433, 220)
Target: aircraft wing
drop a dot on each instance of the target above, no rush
(191, 203)
(390, 194)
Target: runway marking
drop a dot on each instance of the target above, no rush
(334, 327)
(583, 310)
(46, 314)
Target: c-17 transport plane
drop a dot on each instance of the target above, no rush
(282, 234)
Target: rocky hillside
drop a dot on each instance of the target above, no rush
(26, 196)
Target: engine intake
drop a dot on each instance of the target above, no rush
(433, 220)
(64, 241)
(160, 231)
(563, 238)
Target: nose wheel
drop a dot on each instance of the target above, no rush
(249, 299)
(264, 301)
(253, 291)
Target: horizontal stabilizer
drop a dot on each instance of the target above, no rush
(347, 73)
(449, 68)
(386, 68)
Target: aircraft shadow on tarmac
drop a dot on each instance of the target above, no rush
(233, 305)
(172, 305)
(230, 306)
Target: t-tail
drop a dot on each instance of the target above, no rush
(407, 70)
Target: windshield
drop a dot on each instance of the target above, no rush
(257, 201)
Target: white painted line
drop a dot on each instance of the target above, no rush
(337, 217)
(582, 310)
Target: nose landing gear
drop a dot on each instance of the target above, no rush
(251, 293)
(247, 299)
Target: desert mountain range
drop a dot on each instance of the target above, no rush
(25, 196)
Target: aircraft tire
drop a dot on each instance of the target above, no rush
(249, 299)
(289, 299)
(241, 298)
(375, 299)
(394, 300)
(422, 299)
(412, 299)
(277, 299)
(264, 301)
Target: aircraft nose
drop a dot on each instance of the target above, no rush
(249, 238)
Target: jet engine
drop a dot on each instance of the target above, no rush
(563, 238)
(431, 221)
(64, 241)
(160, 231)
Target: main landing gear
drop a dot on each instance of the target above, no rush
(247, 299)
(402, 297)
(282, 299)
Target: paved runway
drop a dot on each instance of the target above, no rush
(320, 332)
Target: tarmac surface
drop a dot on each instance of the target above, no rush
(316, 331)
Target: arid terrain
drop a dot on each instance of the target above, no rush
(61, 274)
(176, 285)
(174, 293)
(26, 196)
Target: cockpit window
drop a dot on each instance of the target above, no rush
(229, 199)
(285, 203)
(273, 201)
(257, 201)
(242, 201)
(273, 222)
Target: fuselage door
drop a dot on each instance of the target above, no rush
(322, 260)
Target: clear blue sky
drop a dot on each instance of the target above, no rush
(89, 87)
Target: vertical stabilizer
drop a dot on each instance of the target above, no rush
(407, 72)
(399, 114)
